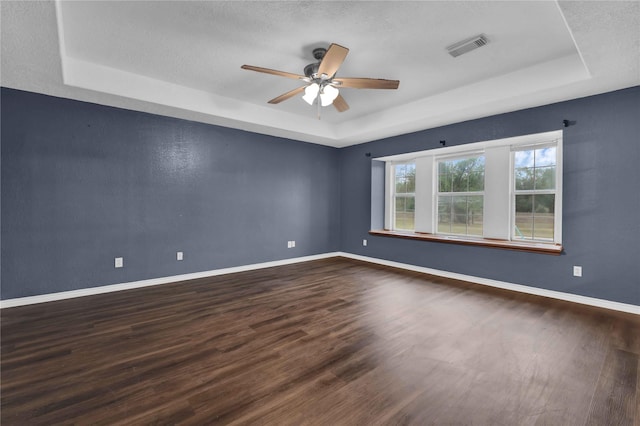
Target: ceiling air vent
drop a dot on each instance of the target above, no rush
(467, 45)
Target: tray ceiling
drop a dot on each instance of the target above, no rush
(183, 59)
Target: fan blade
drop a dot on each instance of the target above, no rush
(340, 104)
(367, 83)
(332, 59)
(287, 95)
(273, 72)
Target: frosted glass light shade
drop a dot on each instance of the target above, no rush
(328, 95)
(310, 93)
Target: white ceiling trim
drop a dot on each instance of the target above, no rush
(92, 76)
(513, 86)
(418, 114)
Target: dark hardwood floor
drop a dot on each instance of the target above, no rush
(327, 342)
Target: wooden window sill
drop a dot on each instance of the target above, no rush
(534, 247)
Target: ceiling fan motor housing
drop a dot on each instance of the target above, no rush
(319, 53)
(311, 69)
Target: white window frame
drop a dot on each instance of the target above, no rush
(436, 196)
(390, 195)
(557, 224)
(499, 188)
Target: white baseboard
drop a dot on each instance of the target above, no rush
(50, 297)
(591, 301)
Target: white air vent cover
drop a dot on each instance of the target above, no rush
(467, 45)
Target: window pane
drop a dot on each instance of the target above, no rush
(444, 214)
(525, 178)
(459, 182)
(535, 169)
(474, 215)
(404, 213)
(400, 178)
(545, 177)
(399, 213)
(410, 204)
(524, 159)
(405, 178)
(459, 223)
(461, 175)
(545, 157)
(399, 204)
(411, 178)
(460, 215)
(524, 217)
(444, 167)
(476, 181)
(543, 216)
(444, 183)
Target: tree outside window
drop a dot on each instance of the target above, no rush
(535, 193)
(404, 196)
(461, 196)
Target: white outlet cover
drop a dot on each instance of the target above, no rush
(119, 262)
(364, 243)
(577, 271)
(293, 243)
(179, 255)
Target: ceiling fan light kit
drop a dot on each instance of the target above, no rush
(311, 93)
(328, 95)
(322, 84)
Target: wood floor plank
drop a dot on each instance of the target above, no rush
(332, 341)
(614, 401)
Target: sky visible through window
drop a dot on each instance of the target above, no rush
(536, 158)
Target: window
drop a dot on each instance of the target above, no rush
(534, 193)
(502, 190)
(460, 196)
(404, 196)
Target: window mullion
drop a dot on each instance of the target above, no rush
(424, 195)
(497, 200)
(389, 196)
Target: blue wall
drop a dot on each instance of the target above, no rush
(601, 199)
(84, 183)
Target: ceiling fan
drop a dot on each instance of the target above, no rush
(322, 84)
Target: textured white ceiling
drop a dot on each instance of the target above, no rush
(183, 58)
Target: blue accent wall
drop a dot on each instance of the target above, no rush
(85, 183)
(601, 199)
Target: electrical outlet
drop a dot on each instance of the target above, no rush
(119, 262)
(364, 243)
(577, 271)
(293, 244)
(179, 255)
